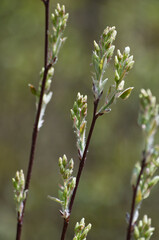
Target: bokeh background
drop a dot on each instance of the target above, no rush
(105, 193)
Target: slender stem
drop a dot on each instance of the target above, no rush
(35, 129)
(46, 3)
(130, 226)
(80, 169)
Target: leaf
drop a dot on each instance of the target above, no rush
(55, 199)
(32, 89)
(126, 93)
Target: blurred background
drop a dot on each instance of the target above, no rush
(104, 195)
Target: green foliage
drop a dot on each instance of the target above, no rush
(143, 231)
(78, 115)
(101, 57)
(19, 192)
(102, 54)
(69, 182)
(143, 176)
(59, 21)
(81, 230)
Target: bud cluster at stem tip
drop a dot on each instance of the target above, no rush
(143, 231)
(100, 58)
(78, 115)
(148, 120)
(81, 230)
(102, 54)
(19, 192)
(69, 182)
(59, 21)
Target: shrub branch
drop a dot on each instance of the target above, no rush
(135, 188)
(35, 129)
(80, 169)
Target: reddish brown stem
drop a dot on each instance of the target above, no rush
(80, 169)
(35, 129)
(130, 226)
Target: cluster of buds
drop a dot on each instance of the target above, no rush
(101, 56)
(81, 231)
(143, 231)
(123, 64)
(148, 180)
(69, 182)
(148, 117)
(59, 21)
(149, 121)
(78, 115)
(19, 192)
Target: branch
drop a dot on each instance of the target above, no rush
(35, 129)
(130, 226)
(80, 169)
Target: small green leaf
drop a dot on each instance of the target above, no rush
(126, 93)
(32, 89)
(55, 199)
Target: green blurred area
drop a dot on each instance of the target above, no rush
(105, 193)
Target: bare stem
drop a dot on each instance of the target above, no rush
(35, 129)
(80, 169)
(130, 226)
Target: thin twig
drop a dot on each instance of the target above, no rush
(80, 169)
(35, 129)
(130, 226)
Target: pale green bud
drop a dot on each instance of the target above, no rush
(121, 85)
(51, 71)
(76, 226)
(82, 223)
(130, 58)
(136, 232)
(127, 50)
(114, 33)
(130, 64)
(58, 7)
(60, 161)
(96, 46)
(140, 224)
(116, 60)
(64, 160)
(85, 99)
(73, 183)
(149, 232)
(79, 96)
(52, 16)
(145, 219)
(117, 77)
(154, 181)
(63, 8)
(71, 164)
(120, 56)
(56, 12)
(111, 51)
(85, 232)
